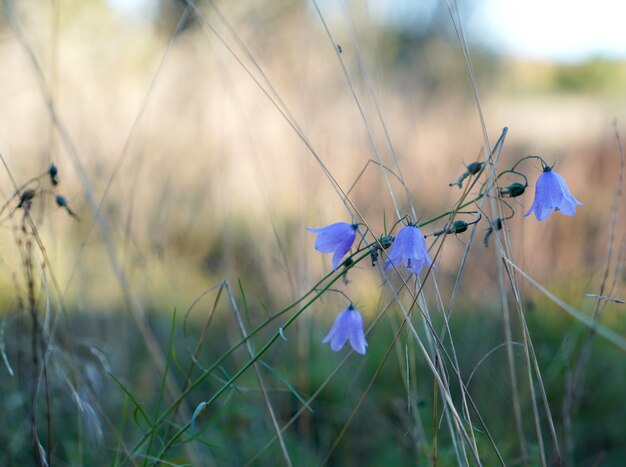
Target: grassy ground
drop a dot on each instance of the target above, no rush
(393, 424)
(197, 148)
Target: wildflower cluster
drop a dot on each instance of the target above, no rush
(409, 250)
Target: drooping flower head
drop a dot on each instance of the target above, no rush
(335, 238)
(552, 194)
(348, 326)
(409, 250)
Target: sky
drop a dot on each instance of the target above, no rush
(561, 30)
(555, 30)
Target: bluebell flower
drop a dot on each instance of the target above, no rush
(335, 238)
(409, 250)
(552, 194)
(347, 326)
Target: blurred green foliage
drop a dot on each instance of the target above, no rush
(594, 76)
(385, 430)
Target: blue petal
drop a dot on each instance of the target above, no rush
(357, 337)
(338, 332)
(532, 208)
(328, 237)
(415, 266)
(396, 261)
(411, 244)
(422, 249)
(569, 203)
(341, 250)
(535, 205)
(410, 250)
(336, 238)
(347, 326)
(552, 193)
(402, 246)
(543, 213)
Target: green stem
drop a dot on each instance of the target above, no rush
(258, 355)
(355, 258)
(513, 171)
(365, 252)
(543, 163)
(447, 213)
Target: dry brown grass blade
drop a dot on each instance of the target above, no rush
(259, 377)
(137, 310)
(575, 379)
(609, 335)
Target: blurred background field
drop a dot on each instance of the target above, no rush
(174, 112)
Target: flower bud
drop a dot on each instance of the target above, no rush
(386, 241)
(513, 190)
(26, 197)
(53, 172)
(458, 227)
(61, 201)
(474, 167)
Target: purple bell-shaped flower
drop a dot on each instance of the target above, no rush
(552, 194)
(409, 250)
(347, 327)
(335, 238)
